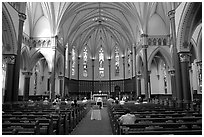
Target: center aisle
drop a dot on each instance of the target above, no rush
(94, 127)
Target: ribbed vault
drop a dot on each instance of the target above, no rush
(97, 24)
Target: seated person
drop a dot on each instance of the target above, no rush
(74, 103)
(127, 118)
(45, 102)
(122, 102)
(84, 100)
(99, 102)
(116, 100)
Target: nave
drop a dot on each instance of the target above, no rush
(160, 117)
(147, 55)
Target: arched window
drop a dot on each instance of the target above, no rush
(101, 62)
(85, 60)
(149, 41)
(73, 61)
(154, 42)
(128, 59)
(165, 78)
(117, 61)
(159, 41)
(164, 41)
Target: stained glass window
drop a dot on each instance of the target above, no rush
(117, 60)
(85, 60)
(128, 59)
(73, 61)
(101, 63)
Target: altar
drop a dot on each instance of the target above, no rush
(103, 96)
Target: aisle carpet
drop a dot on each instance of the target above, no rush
(94, 127)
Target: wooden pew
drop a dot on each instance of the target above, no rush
(161, 128)
(23, 128)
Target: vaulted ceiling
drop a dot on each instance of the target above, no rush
(95, 25)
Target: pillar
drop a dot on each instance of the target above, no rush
(69, 75)
(135, 81)
(123, 57)
(64, 69)
(78, 73)
(146, 77)
(60, 77)
(54, 69)
(173, 83)
(10, 62)
(15, 85)
(184, 61)
(92, 77)
(175, 60)
(26, 85)
(149, 84)
(109, 61)
(139, 84)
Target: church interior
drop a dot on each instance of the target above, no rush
(60, 58)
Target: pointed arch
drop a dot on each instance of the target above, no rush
(165, 56)
(35, 58)
(8, 33)
(25, 58)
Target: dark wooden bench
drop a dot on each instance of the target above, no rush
(23, 128)
(167, 127)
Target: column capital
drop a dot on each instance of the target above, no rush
(9, 59)
(27, 73)
(144, 35)
(139, 75)
(171, 72)
(60, 77)
(171, 14)
(145, 46)
(199, 63)
(109, 60)
(21, 16)
(184, 56)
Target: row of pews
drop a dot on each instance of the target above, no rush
(42, 119)
(155, 119)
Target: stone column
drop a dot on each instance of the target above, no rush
(184, 60)
(10, 61)
(60, 77)
(15, 85)
(64, 69)
(173, 83)
(78, 73)
(149, 84)
(175, 59)
(69, 75)
(109, 61)
(92, 77)
(123, 57)
(26, 85)
(135, 81)
(54, 69)
(139, 83)
(146, 77)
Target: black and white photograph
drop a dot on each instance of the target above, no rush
(101, 68)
